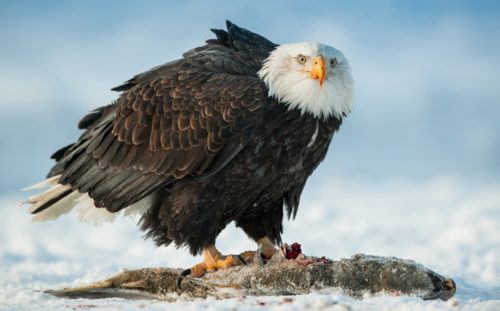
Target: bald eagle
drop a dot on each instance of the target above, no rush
(229, 132)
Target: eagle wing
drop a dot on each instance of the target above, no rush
(179, 124)
(184, 124)
(184, 120)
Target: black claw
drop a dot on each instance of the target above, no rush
(181, 278)
(242, 260)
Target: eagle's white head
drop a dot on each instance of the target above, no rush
(313, 77)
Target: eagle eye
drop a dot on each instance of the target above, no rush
(301, 59)
(333, 62)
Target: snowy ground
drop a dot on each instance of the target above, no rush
(449, 226)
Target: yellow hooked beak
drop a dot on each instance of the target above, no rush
(318, 71)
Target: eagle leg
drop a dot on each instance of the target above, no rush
(212, 260)
(265, 251)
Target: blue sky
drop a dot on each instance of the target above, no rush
(427, 91)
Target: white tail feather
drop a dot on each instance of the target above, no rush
(61, 207)
(43, 184)
(46, 196)
(90, 214)
(81, 202)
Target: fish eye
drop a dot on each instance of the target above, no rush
(301, 59)
(333, 62)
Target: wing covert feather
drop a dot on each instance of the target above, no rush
(174, 124)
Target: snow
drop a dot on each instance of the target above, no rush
(448, 225)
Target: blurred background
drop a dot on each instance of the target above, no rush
(427, 75)
(413, 172)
